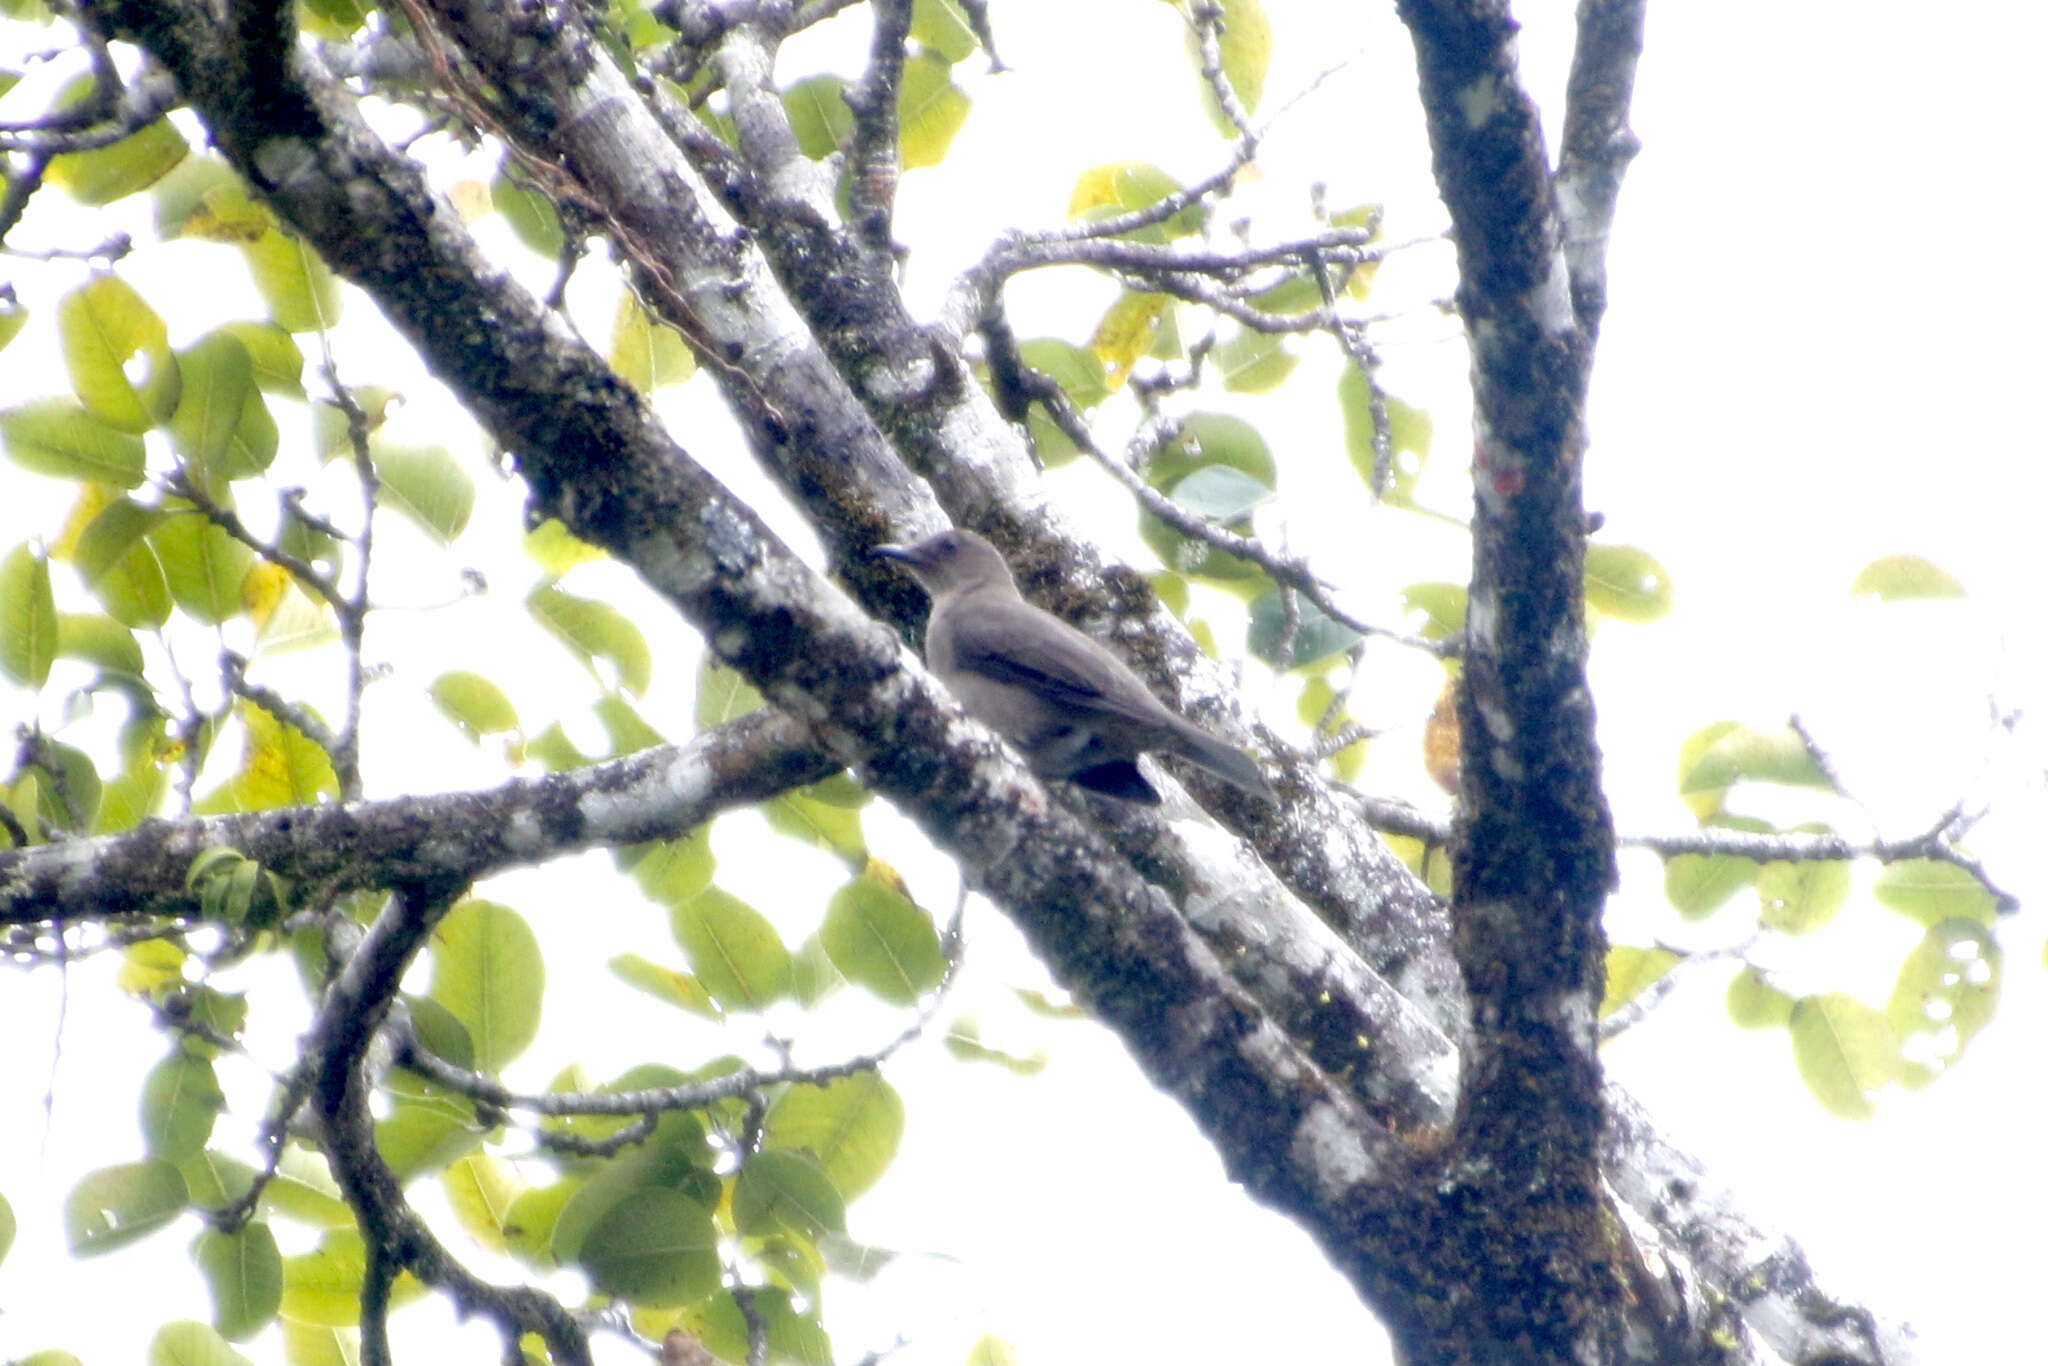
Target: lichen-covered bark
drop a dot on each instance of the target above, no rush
(1437, 1227)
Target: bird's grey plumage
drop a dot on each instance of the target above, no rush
(1073, 708)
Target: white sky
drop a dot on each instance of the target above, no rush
(1822, 285)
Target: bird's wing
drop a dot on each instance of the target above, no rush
(1010, 641)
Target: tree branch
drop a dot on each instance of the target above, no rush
(455, 837)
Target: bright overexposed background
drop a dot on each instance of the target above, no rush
(1820, 349)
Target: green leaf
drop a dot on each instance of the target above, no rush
(930, 111)
(96, 640)
(557, 550)
(113, 1206)
(1697, 885)
(826, 814)
(1207, 441)
(779, 1191)
(645, 353)
(13, 317)
(180, 1100)
(1221, 493)
(963, 1040)
(421, 1136)
(663, 984)
(1254, 362)
(6, 1228)
(722, 695)
(59, 438)
(626, 728)
(1905, 578)
(670, 872)
(325, 1286)
(426, 486)
(188, 1342)
(1626, 583)
(199, 197)
(103, 326)
(1716, 757)
(529, 213)
(482, 1190)
(28, 617)
(202, 565)
(245, 1277)
(104, 174)
(1441, 607)
(488, 973)
(221, 429)
(882, 940)
(121, 568)
(1800, 897)
(1318, 637)
(733, 949)
(595, 630)
(273, 356)
(1928, 891)
(792, 1337)
(281, 765)
(657, 1249)
(303, 1190)
(852, 1126)
(531, 1221)
(477, 706)
(1630, 971)
(941, 26)
(1946, 992)
(76, 778)
(1846, 1052)
(818, 115)
(302, 293)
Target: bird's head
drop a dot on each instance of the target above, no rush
(950, 562)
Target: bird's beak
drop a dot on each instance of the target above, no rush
(895, 552)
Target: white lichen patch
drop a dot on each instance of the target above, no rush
(1481, 100)
(1327, 1144)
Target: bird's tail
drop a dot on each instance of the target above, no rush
(1227, 762)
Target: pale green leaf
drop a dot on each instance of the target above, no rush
(188, 1342)
(59, 438)
(181, 1098)
(733, 949)
(1626, 583)
(1846, 1052)
(244, 1275)
(1905, 578)
(780, 1191)
(425, 484)
(476, 705)
(657, 1249)
(852, 1126)
(595, 630)
(930, 111)
(202, 564)
(113, 1206)
(882, 940)
(107, 330)
(302, 293)
(28, 617)
(487, 971)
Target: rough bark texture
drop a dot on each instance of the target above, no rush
(1479, 1214)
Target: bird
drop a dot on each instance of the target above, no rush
(1071, 707)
